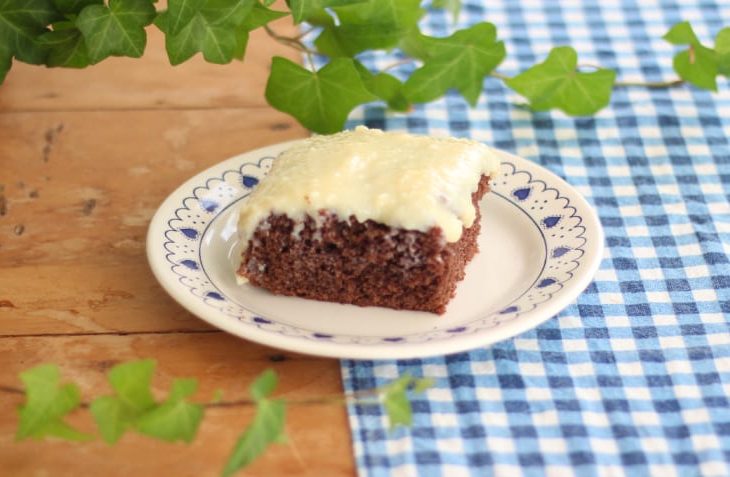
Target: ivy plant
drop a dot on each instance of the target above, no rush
(80, 33)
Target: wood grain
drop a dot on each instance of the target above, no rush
(85, 159)
(318, 446)
(81, 188)
(149, 82)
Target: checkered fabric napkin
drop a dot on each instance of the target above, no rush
(634, 378)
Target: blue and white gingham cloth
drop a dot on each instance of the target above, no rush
(634, 378)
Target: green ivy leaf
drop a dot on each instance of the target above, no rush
(266, 428)
(180, 13)
(264, 385)
(460, 61)
(21, 22)
(396, 403)
(131, 382)
(389, 89)
(6, 61)
(698, 64)
(260, 15)
(384, 86)
(47, 403)
(681, 34)
(319, 100)
(415, 44)
(377, 24)
(74, 6)
(133, 406)
(211, 27)
(556, 83)
(722, 48)
(116, 29)
(302, 10)
(66, 47)
(111, 417)
(176, 418)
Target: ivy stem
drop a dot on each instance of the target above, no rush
(650, 84)
(398, 63)
(618, 84)
(495, 74)
(304, 33)
(293, 42)
(364, 396)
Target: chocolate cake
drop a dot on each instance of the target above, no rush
(367, 218)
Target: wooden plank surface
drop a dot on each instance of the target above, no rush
(149, 83)
(318, 441)
(85, 159)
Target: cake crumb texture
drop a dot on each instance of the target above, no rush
(363, 263)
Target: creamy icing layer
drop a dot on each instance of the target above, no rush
(397, 179)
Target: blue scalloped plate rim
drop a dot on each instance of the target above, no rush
(185, 247)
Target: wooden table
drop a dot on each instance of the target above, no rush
(85, 159)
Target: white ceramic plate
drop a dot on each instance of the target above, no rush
(541, 244)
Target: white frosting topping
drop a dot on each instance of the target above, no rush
(397, 179)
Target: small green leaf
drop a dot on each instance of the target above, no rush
(66, 47)
(301, 10)
(389, 89)
(556, 83)
(320, 17)
(180, 13)
(111, 417)
(682, 34)
(132, 382)
(62, 430)
(396, 403)
(183, 388)
(63, 25)
(259, 16)
(415, 44)
(115, 414)
(74, 6)
(21, 22)
(116, 29)
(211, 27)
(377, 24)
(6, 60)
(722, 48)
(320, 101)
(266, 428)
(698, 64)
(264, 385)
(241, 42)
(47, 403)
(384, 86)
(133, 406)
(175, 419)
(398, 408)
(460, 61)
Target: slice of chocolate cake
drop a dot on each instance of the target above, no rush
(368, 218)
